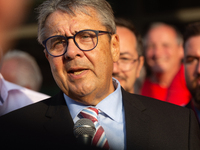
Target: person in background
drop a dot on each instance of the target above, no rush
(21, 68)
(127, 69)
(165, 80)
(81, 46)
(192, 65)
(12, 96)
(13, 14)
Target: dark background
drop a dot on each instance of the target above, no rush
(142, 12)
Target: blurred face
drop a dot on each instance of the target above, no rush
(192, 66)
(12, 14)
(129, 57)
(5, 70)
(162, 51)
(85, 76)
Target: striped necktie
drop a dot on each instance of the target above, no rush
(99, 138)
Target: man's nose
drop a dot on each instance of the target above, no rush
(116, 68)
(157, 51)
(72, 50)
(198, 66)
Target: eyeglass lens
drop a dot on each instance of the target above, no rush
(84, 40)
(126, 64)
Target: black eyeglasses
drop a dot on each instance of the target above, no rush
(126, 64)
(85, 40)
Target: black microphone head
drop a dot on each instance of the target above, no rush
(84, 131)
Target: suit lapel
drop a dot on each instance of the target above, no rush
(60, 121)
(137, 122)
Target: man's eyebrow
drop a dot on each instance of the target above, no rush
(125, 53)
(193, 56)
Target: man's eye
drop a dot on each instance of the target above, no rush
(150, 46)
(166, 45)
(85, 37)
(58, 42)
(190, 59)
(125, 60)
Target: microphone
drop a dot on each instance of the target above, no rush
(84, 131)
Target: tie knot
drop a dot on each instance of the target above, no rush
(90, 113)
(99, 138)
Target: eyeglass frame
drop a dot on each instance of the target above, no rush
(73, 37)
(133, 62)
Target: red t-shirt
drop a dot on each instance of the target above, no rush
(153, 90)
(177, 93)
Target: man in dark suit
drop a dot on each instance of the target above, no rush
(81, 46)
(192, 66)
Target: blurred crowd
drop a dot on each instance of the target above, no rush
(163, 51)
(163, 64)
(152, 65)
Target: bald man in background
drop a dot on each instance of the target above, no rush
(13, 96)
(165, 72)
(21, 68)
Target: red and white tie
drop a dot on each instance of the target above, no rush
(99, 138)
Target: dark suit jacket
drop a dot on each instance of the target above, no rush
(150, 124)
(190, 105)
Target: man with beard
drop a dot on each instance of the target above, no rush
(127, 69)
(192, 65)
(81, 46)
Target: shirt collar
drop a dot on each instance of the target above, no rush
(198, 113)
(114, 100)
(3, 88)
(6, 86)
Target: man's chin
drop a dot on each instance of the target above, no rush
(158, 69)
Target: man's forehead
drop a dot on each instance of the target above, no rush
(192, 52)
(66, 17)
(85, 11)
(192, 45)
(60, 22)
(162, 32)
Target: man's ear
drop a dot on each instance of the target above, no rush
(181, 51)
(115, 47)
(140, 65)
(46, 54)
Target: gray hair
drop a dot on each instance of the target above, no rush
(179, 36)
(27, 71)
(102, 7)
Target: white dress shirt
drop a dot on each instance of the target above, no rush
(13, 96)
(111, 116)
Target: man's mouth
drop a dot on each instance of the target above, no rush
(78, 72)
(119, 77)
